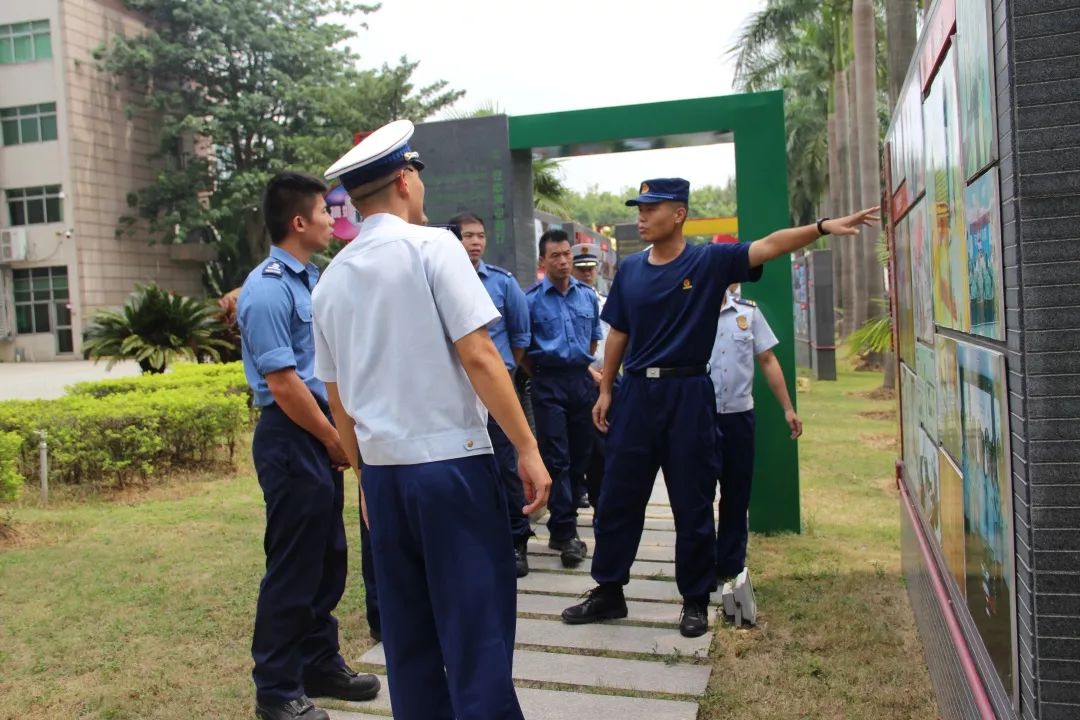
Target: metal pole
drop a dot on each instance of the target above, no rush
(43, 453)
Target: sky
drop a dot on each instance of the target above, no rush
(533, 57)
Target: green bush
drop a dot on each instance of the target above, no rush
(113, 431)
(11, 480)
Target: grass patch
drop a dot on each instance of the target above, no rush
(139, 604)
(835, 635)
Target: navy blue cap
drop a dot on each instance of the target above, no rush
(660, 190)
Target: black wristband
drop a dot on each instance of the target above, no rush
(820, 228)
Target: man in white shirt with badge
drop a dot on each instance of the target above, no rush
(742, 334)
(401, 342)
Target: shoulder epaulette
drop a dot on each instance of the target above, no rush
(496, 268)
(273, 269)
(745, 301)
(532, 288)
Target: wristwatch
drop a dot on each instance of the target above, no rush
(821, 227)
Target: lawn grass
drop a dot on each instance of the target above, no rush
(141, 606)
(835, 635)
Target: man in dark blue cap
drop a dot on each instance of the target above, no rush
(663, 310)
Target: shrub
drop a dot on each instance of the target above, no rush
(116, 430)
(155, 328)
(11, 480)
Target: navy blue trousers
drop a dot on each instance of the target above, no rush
(447, 588)
(563, 400)
(306, 557)
(656, 424)
(736, 474)
(371, 588)
(506, 461)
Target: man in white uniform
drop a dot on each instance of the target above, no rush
(401, 342)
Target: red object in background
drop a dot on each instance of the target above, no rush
(724, 239)
(939, 29)
(360, 136)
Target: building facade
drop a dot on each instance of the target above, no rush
(70, 157)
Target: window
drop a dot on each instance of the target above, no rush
(41, 300)
(32, 206)
(25, 42)
(28, 124)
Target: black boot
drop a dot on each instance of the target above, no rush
(604, 602)
(571, 551)
(695, 617)
(342, 683)
(298, 709)
(521, 557)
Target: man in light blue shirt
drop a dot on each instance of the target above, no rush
(565, 322)
(510, 333)
(742, 335)
(299, 458)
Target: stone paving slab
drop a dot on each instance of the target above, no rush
(559, 705)
(597, 672)
(640, 611)
(650, 553)
(641, 568)
(648, 537)
(664, 524)
(620, 638)
(578, 584)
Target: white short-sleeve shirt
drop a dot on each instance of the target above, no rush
(742, 333)
(387, 313)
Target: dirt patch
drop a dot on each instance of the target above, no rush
(876, 394)
(879, 415)
(878, 441)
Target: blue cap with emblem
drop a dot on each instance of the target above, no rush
(379, 154)
(661, 190)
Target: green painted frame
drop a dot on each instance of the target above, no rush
(757, 121)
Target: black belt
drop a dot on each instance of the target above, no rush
(670, 372)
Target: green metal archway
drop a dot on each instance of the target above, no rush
(756, 124)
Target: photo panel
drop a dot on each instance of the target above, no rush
(909, 428)
(986, 295)
(929, 491)
(922, 271)
(926, 370)
(905, 325)
(952, 520)
(950, 431)
(975, 80)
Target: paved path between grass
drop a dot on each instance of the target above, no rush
(47, 380)
(639, 668)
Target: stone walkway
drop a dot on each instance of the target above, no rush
(637, 668)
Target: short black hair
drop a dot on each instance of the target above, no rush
(467, 217)
(287, 195)
(551, 236)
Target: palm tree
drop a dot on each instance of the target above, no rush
(155, 328)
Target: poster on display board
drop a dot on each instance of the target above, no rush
(986, 295)
(926, 387)
(905, 319)
(950, 431)
(952, 520)
(906, 138)
(922, 272)
(988, 512)
(929, 491)
(945, 196)
(909, 427)
(975, 77)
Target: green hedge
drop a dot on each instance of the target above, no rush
(11, 479)
(113, 431)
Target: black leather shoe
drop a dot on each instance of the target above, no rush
(571, 551)
(583, 502)
(298, 709)
(695, 618)
(521, 558)
(342, 684)
(604, 602)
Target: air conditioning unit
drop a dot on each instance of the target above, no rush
(12, 245)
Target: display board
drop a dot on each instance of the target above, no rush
(949, 322)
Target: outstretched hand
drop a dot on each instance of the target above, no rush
(850, 225)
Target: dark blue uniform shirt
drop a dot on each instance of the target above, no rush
(274, 314)
(512, 329)
(563, 326)
(670, 311)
